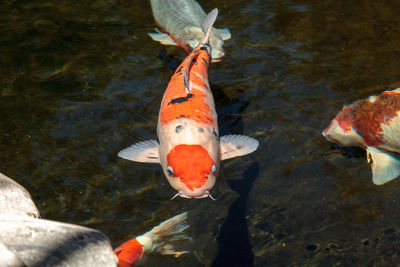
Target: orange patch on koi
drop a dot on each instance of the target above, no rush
(194, 108)
(191, 163)
(128, 253)
(366, 117)
(344, 118)
(177, 103)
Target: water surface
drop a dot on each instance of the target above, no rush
(81, 80)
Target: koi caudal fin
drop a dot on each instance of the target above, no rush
(159, 239)
(167, 232)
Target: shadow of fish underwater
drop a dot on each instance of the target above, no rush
(373, 124)
(190, 148)
(180, 20)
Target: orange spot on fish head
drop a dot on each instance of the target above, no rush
(344, 118)
(341, 132)
(338, 127)
(191, 164)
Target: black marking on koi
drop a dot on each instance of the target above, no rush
(205, 61)
(179, 69)
(215, 133)
(178, 128)
(180, 99)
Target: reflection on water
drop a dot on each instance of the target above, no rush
(81, 80)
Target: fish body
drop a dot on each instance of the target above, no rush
(373, 124)
(158, 239)
(190, 149)
(180, 20)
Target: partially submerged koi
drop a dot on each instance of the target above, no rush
(373, 124)
(180, 20)
(159, 239)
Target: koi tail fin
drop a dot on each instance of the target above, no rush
(166, 233)
(208, 23)
(206, 26)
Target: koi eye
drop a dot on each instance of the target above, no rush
(213, 169)
(170, 170)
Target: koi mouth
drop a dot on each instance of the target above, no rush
(206, 194)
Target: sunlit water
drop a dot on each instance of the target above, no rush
(81, 80)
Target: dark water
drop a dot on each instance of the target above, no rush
(81, 80)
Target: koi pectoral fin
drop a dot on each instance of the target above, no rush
(237, 145)
(385, 167)
(163, 38)
(146, 151)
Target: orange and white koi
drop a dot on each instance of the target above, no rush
(374, 124)
(190, 148)
(159, 239)
(180, 20)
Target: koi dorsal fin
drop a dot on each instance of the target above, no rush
(206, 26)
(208, 23)
(187, 69)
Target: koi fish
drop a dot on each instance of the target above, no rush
(158, 239)
(373, 124)
(190, 148)
(180, 20)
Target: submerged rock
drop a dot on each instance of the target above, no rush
(8, 258)
(38, 242)
(26, 240)
(15, 199)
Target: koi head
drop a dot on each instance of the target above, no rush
(191, 170)
(340, 131)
